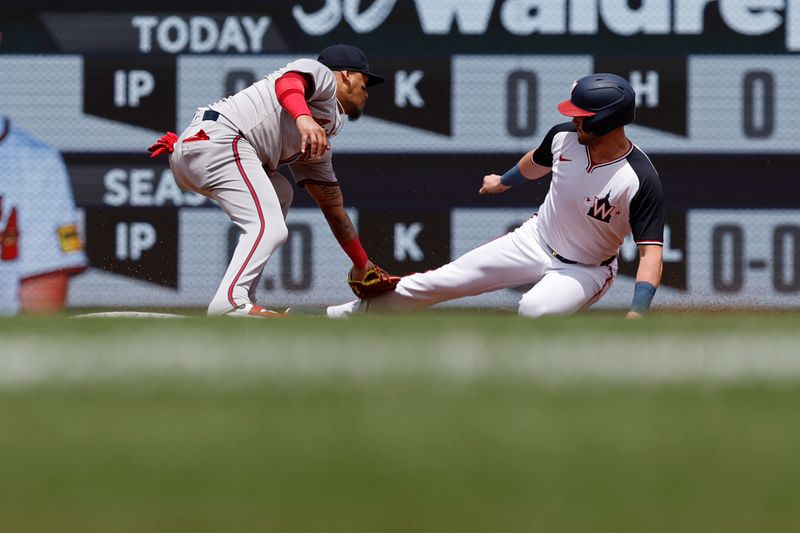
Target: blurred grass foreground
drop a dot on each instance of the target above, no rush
(449, 422)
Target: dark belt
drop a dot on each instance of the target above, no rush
(571, 262)
(212, 115)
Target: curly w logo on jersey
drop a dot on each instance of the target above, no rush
(9, 235)
(601, 208)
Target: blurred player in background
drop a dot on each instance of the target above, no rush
(39, 242)
(603, 188)
(233, 148)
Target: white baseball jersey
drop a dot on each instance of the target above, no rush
(590, 209)
(258, 115)
(586, 214)
(38, 230)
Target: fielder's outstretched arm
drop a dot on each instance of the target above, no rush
(329, 199)
(524, 170)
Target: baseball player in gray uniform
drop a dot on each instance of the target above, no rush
(233, 148)
(603, 187)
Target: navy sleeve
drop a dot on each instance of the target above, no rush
(544, 154)
(647, 212)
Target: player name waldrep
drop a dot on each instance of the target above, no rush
(564, 17)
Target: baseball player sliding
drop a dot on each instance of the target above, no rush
(603, 187)
(233, 148)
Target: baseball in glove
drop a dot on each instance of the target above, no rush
(376, 281)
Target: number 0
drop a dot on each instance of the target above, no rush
(522, 91)
(759, 104)
(728, 238)
(786, 267)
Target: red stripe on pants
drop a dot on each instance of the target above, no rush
(260, 218)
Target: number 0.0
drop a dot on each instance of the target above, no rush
(758, 111)
(732, 238)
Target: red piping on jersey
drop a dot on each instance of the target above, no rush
(597, 295)
(291, 159)
(657, 243)
(592, 166)
(260, 218)
(291, 90)
(9, 238)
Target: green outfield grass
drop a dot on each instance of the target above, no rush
(438, 422)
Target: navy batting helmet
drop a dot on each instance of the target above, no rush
(606, 100)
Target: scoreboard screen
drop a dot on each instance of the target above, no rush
(464, 103)
(471, 85)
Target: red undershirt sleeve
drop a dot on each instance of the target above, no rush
(291, 89)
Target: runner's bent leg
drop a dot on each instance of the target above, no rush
(566, 289)
(498, 264)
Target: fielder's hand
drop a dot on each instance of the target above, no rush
(492, 185)
(313, 139)
(371, 282)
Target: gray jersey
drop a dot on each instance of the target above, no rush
(256, 112)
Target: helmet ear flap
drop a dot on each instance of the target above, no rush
(608, 120)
